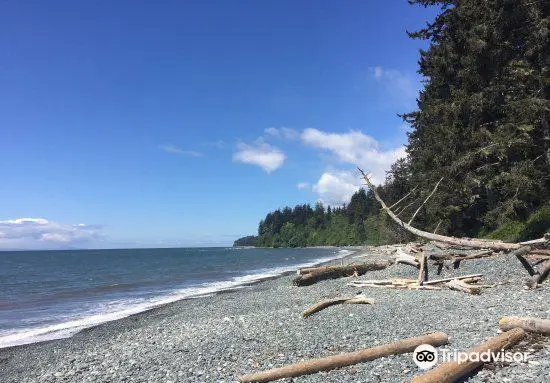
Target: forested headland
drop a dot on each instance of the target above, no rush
(482, 123)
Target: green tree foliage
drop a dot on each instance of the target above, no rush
(249, 240)
(356, 223)
(483, 116)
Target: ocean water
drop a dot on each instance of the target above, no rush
(54, 294)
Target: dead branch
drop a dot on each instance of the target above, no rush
(399, 211)
(435, 281)
(454, 371)
(437, 227)
(536, 325)
(346, 359)
(381, 282)
(481, 254)
(416, 287)
(396, 283)
(402, 199)
(426, 200)
(336, 301)
(412, 286)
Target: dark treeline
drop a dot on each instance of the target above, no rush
(482, 122)
(359, 222)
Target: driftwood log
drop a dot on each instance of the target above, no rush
(347, 359)
(333, 272)
(401, 257)
(459, 285)
(536, 325)
(336, 301)
(454, 371)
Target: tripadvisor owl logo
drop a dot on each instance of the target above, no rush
(425, 356)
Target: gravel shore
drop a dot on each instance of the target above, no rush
(219, 337)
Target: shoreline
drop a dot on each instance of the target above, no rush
(219, 337)
(222, 290)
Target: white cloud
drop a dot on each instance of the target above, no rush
(176, 150)
(267, 157)
(39, 233)
(287, 133)
(302, 185)
(56, 237)
(402, 87)
(337, 187)
(355, 148)
(21, 221)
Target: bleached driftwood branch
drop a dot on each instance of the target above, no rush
(336, 301)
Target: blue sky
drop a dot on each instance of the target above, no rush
(130, 124)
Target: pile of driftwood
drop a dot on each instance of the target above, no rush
(514, 330)
(523, 251)
(466, 283)
(533, 255)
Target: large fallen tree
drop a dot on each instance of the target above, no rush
(519, 250)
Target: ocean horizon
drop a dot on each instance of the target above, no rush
(54, 294)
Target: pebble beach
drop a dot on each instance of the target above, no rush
(220, 337)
